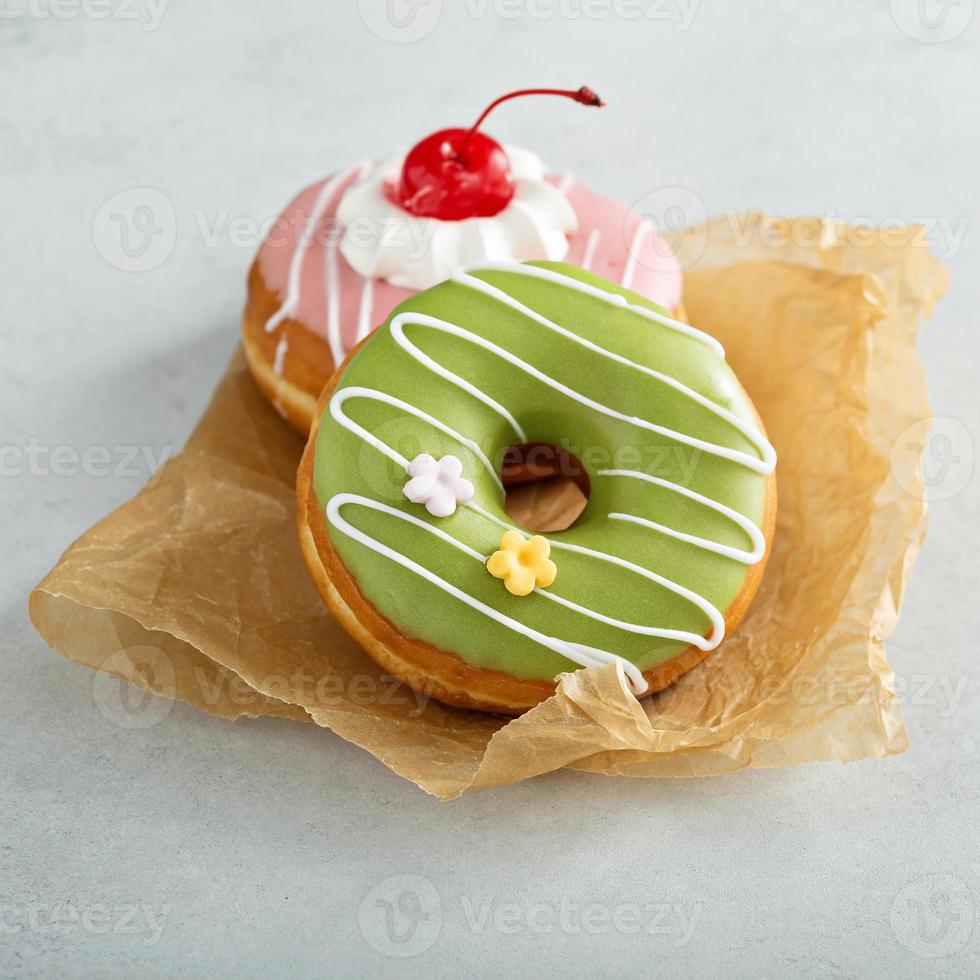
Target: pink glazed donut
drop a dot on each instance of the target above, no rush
(345, 252)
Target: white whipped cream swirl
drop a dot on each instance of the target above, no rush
(382, 241)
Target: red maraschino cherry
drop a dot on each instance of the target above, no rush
(463, 173)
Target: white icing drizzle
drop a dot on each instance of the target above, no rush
(332, 283)
(578, 653)
(280, 358)
(755, 535)
(334, 338)
(767, 453)
(641, 230)
(565, 184)
(591, 243)
(366, 309)
(356, 391)
(326, 195)
(463, 275)
(422, 319)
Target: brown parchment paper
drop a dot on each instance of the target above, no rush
(196, 590)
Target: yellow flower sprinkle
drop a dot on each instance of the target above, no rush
(522, 563)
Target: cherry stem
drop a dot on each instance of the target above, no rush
(585, 95)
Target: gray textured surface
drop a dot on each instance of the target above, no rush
(204, 848)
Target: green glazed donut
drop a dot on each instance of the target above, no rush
(681, 501)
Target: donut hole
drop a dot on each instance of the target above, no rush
(546, 486)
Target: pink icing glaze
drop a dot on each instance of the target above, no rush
(354, 305)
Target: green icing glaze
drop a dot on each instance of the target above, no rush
(346, 463)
